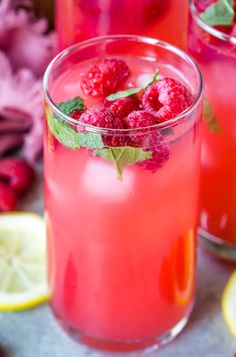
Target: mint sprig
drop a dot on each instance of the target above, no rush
(220, 13)
(69, 106)
(210, 118)
(64, 133)
(121, 156)
(69, 137)
(131, 91)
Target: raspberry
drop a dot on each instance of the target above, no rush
(101, 117)
(123, 106)
(139, 119)
(76, 114)
(105, 77)
(105, 118)
(233, 32)
(18, 174)
(166, 98)
(148, 139)
(8, 199)
(160, 154)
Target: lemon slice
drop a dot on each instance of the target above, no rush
(23, 278)
(229, 303)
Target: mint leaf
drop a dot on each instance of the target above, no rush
(69, 106)
(219, 13)
(121, 156)
(70, 138)
(131, 91)
(90, 140)
(210, 117)
(123, 93)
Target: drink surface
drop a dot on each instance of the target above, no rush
(79, 20)
(122, 252)
(217, 60)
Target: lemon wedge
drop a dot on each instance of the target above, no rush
(229, 303)
(23, 277)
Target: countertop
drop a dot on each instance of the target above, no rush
(35, 333)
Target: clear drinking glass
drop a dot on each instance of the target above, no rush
(122, 237)
(215, 53)
(79, 20)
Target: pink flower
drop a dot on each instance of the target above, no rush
(24, 38)
(21, 95)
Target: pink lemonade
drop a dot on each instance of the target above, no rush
(215, 53)
(79, 20)
(122, 250)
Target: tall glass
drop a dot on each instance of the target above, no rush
(80, 20)
(121, 245)
(215, 53)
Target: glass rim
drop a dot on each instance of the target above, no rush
(100, 40)
(208, 28)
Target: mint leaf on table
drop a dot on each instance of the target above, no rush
(121, 156)
(69, 106)
(219, 13)
(210, 117)
(131, 91)
(69, 137)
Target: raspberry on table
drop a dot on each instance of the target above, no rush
(106, 118)
(104, 77)
(17, 174)
(8, 198)
(123, 106)
(166, 98)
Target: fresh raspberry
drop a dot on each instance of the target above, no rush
(123, 106)
(18, 174)
(105, 77)
(166, 98)
(101, 117)
(139, 119)
(149, 139)
(160, 155)
(104, 118)
(76, 114)
(8, 199)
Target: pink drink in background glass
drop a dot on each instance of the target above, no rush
(79, 20)
(122, 252)
(215, 53)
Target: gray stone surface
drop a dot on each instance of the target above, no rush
(35, 333)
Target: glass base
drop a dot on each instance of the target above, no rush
(217, 246)
(146, 346)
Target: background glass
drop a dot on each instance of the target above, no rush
(215, 53)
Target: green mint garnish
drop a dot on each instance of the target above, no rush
(131, 91)
(69, 137)
(121, 156)
(69, 106)
(210, 117)
(219, 13)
